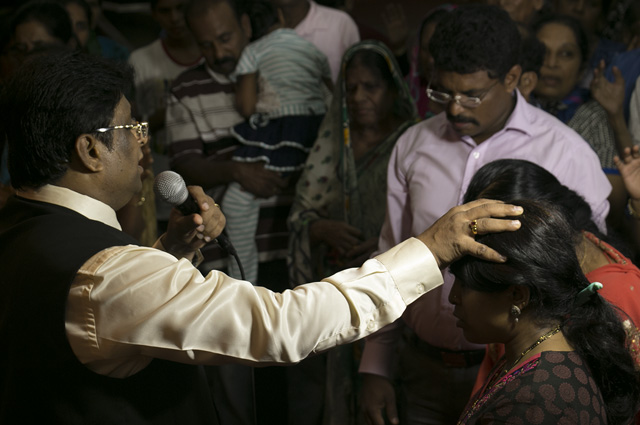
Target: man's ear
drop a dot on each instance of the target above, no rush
(89, 152)
(245, 24)
(528, 83)
(512, 78)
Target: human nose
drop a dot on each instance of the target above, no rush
(454, 106)
(550, 60)
(358, 93)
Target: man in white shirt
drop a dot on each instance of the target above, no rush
(105, 331)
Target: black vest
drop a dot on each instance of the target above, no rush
(42, 246)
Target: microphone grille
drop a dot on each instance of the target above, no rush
(170, 187)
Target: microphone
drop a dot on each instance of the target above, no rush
(171, 188)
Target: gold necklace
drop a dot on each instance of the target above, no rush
(539, 341)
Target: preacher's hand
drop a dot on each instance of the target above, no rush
(186, 234)
(451, 237)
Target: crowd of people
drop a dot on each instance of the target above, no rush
(432, 225)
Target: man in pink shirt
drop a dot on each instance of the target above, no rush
(475, 50)
(332, 31)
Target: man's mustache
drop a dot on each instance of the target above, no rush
(461, 119)
(224, 61)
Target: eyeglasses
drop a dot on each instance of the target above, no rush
(139, 129)
(469, 102)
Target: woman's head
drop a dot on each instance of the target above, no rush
(41, 24)
(541, 276)
(369, 86)
(567, 51)
(509, 179)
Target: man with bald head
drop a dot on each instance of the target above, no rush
(200, 112)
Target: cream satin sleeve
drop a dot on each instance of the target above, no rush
(131, 304)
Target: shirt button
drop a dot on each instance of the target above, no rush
(420, 288)
(371, 325)
(476, 155)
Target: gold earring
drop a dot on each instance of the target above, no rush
(515, 312)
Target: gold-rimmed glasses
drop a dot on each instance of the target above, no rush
(465, 101)
(139, 129)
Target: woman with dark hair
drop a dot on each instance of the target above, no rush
(558, 91)
(41, 24)
(567, 355)
(340, 198)
(592, 16)
(339, 206)
(509, 179)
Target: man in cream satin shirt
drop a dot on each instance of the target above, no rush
(96, 329)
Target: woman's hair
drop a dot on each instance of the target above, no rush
(541, 257)
(509, 179)
(574, 25)
(52, 15)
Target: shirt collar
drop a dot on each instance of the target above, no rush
(313, 21)
(82, 204)
(520, 119)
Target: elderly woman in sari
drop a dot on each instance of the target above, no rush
(339, 207)
(340, 200)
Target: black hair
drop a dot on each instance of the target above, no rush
(532, 54)
(541, 257)
(475, 38)
(434, 18)
(84, 5)
(49, 103)
(574, 25)
(509, 179)
(263, 15)
(52, 15)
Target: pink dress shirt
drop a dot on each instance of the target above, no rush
(332, 31)
(429, 171)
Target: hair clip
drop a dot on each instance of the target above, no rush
(586, 293)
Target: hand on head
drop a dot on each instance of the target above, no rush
(451, 237)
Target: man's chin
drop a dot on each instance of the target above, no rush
(225, 69)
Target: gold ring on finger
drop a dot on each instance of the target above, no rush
(473, 225)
